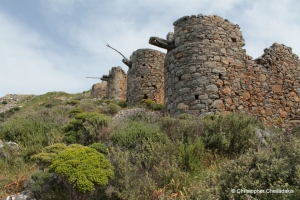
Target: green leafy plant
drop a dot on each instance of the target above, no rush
(72, 102)
(191, 154)
(150, 104)
(229, 134)
(34, 129)
(83, 167)
(80, 169)
(135, 132)
(85, 128)
(122, 103)
(158, 106)
(100, 147)
(75, 111)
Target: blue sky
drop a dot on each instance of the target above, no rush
(52, 45)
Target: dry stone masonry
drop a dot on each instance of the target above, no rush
(145, 76)
(99, 90)
(207, 71)
(116, 84)
(270, 86)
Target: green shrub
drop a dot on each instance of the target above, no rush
(51, 103)
(158, 106)
(143, 115)
(191, 154)
(122, 103)
(113, 108)
(85, 128)
(72, 102)
(229, 134)
(110, 109)
(141, 171)
(79, 171)
(35, 129)
(135, 132)
(75, 111)
(7, 114)
(99, 102)
(48, 155)
(186, 116)
(275, 166)
(87, 105)
(150, 104)
(83, 167)
(100, 147)
(4, 102)
(182, 129)
(44, 185)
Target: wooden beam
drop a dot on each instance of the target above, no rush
(156, 41)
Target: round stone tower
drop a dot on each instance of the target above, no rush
(202, 49)
(116, 84)
(145, 76)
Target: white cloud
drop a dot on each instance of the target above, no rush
(265, 23)
(24, 66)
(79, 30)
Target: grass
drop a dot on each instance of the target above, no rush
(13, 177)
(153, 156)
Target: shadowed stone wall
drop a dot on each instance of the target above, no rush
(99, 90)
(116, 84)
(145, 76)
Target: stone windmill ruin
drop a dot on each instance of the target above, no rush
(145, 78)
(206, 70)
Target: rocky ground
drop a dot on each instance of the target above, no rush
(10, 101)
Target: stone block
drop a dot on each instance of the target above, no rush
(212, 88)
(218, 104)
(182, 106)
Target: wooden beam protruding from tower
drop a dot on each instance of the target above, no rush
(159, 42)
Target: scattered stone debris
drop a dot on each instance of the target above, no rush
(10, 101)
(25, 195)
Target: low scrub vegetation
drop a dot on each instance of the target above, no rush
(78, 151)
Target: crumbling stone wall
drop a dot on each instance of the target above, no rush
(207, 71)
(270, 86)
(145, 76)
(99, 90)
(116, 84)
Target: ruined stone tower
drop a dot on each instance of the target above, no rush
(116, 84)
(99, 90)
(207, 71)
(145, 76)
(201, 50)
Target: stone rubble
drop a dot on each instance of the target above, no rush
(13, 100)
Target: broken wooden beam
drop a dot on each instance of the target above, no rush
(159, 42)
(105, 78)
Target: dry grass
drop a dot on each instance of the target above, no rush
(12, 179)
